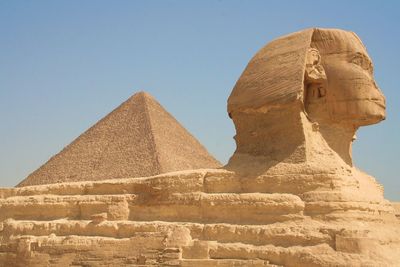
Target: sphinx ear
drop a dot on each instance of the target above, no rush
(314, 76)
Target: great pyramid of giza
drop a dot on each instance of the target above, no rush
(139, 138)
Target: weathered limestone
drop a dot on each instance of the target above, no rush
(396, 206)
(188, 224)
(139, 138)
(289, 196)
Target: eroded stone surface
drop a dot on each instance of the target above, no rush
(187, 224)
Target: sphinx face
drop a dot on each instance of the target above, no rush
(349, 95)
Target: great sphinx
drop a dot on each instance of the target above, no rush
(297, 107)
(289, 195)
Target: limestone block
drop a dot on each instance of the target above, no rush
(363, 245)
(119, 210)
(197, 250)
(99, 218)
(178, 236)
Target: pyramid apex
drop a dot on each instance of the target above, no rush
(142, 94)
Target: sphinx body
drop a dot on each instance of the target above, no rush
(289, 196)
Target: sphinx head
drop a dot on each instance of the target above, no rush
(322, 75)
(339, 86)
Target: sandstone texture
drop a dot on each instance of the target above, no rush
(198, 218)
(139, 138)
(289, 195)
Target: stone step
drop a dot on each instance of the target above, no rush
(225, 263)
(251, 208)
(142, 249)
(184, 181)
(172, 246)
(207, 181)
(279, 234)
(326, 207)
(296, 256)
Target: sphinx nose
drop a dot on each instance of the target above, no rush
(376, 85)
(379, 91)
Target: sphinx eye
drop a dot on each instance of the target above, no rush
(362, 61)
(358, 59)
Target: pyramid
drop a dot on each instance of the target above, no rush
(138, 139)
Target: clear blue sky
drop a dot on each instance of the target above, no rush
(66, 64)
